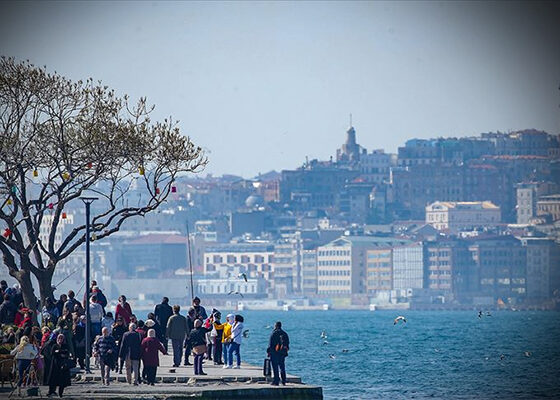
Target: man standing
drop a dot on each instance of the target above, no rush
(278, 347)
(199, 310)
(163, 312)
(176, 331)
(131, 353)
(95, 315)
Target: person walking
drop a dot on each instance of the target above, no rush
(59, 371)
(151, 347)
(236, 339)
(131, 352)
(106, 350)
(176, 331)
(108, 322)
(123, 310)
(163, 312)
(197, 341)
(277, 350)
(24, 353)
(119, 329)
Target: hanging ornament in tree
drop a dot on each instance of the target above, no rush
(93, 237)
(9, 201)
(157, 190)
(51, 206)
(35, 173)
(7, 233)
(65, 176)
(63, 215)
(141, 170)
(14, 189)
(173, 189)
(90, 165)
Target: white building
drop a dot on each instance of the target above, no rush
(375, 167)
(457, 216)
(408, 266)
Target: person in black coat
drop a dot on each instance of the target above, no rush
(197, 341)
(59, 371)
(277, 350)
(163, 312)
(131, 352)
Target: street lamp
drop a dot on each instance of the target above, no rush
(87, 201)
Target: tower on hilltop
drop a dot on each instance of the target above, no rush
(350, 150)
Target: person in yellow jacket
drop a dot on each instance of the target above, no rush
(226, 336)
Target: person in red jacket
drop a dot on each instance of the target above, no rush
(123, 310)
(150, 355)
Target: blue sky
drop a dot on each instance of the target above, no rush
(262, 85)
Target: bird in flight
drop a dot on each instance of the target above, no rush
(480, 314)
(245, 333)
(243, 275)
(332, 356)
(323, 335)
(399, 319)
(236, 292)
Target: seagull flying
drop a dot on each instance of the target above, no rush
(323, 335)
(399, 319)
(332, 356)
(243, 275)
(236, 292)
(480, 314)
(325, 342)
(245, 333)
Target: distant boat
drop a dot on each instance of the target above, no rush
(372, 307)
(240, 307)
(326, 307)
(286, 307)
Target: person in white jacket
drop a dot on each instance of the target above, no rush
(96, 315)
(235, 345)
(24, 353)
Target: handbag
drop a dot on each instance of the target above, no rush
(267, 370)
(198, 350)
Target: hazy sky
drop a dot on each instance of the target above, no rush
(262, 85)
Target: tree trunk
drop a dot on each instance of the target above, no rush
(29, 298)
(44, 277)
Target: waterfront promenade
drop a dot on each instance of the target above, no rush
(180, 383)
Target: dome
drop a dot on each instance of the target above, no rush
(254, 200)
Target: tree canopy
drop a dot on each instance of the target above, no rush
(61, 140)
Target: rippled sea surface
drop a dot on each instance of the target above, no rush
(447, 355)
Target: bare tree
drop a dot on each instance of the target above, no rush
(60, 140)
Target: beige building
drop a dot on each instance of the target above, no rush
(346, 265)
(456, 216)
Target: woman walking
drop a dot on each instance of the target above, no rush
(235, 345)
(59, 374)
(123, 310)
(197, 341)
(24, 353)
(151, 347)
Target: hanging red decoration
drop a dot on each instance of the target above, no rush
(157, 190)
(90, 165)
(51, 206)
(7, 232)
(63, 215)
(173, 189)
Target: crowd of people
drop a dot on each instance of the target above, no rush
(121, 340)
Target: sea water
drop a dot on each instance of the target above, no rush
(435, 354)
